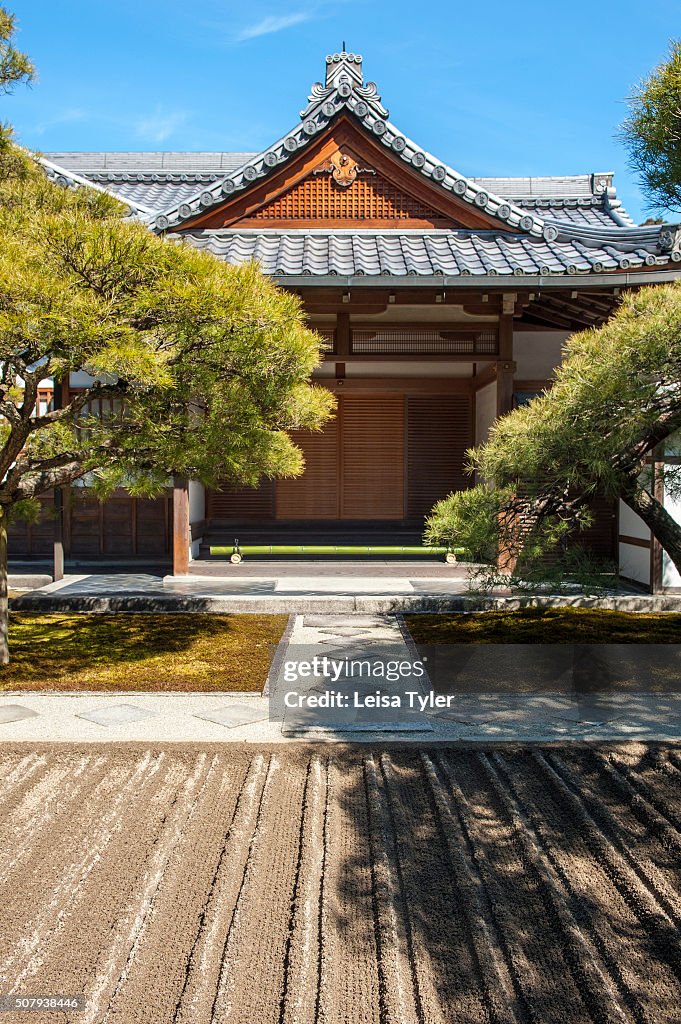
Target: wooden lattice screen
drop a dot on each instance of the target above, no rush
(422, 341)
(369, 198)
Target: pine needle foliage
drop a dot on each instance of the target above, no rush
(615, 402)
(652, 133)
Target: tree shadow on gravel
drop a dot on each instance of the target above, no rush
(523, 883)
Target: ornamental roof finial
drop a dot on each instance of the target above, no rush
(340, 66)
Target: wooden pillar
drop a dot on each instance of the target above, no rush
(505, 367)
(58, 541)
(342, 333)
(180, 527)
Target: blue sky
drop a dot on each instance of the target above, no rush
(530, 88)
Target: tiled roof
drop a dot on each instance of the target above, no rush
(71, 179)
(566, 225)
(344, 92)
(565, 186)
(139, 163)
(158, 189)
(422, 253)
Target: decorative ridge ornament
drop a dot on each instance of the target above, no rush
(343, 67)
(344, 80)
(344, 92)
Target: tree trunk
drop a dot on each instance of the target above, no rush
(4, 607)
(663, 527)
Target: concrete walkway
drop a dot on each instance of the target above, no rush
(201, 717)
(410, 588)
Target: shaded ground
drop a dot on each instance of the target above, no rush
(342, 885)
(547, 626)
(140, 652)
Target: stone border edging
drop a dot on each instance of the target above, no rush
(326, 604)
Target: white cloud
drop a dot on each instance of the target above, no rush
(159, 126)
(273, 24)
(64, 117)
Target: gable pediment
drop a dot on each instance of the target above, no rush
(399, 183)
(347, 179)
(368, 199)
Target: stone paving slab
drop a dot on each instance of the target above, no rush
(342, 586)
(236, 713)
(280, 568)
(116, 714)
(406, 589)
(321, 636)
(15, 713)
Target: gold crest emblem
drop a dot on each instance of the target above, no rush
(343, 169)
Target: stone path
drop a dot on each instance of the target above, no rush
(350, 653)
(175, 717)
(251, 718)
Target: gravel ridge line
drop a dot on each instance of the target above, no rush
(369, 884)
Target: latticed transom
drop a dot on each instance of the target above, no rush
(328, 336)
(425, 341)
(369, 198)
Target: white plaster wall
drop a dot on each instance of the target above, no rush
(399, 368)
(537, 353)
(670, 574)
(197, 513)
(485, 411)
(635, 563)
(81, 379)
(394, 368)
(631, 524)
(197, 501)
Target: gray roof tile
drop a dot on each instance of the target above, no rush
(427, 253)
(569, 224)
(158, 189)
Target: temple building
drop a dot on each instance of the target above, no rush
(443, 301)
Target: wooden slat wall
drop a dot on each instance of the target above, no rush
(241, 503)
(601, 537)
(372, 460)
(86, 532)
(439, 431)
(314, 495)
(33, 538)
(120, 527)
(367, 461)
(153, 525)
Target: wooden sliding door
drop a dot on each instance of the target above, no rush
(372, 457)
(314, 495)
(354, 468)
(381, 457)
(439, 432)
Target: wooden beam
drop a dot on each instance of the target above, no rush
(411, 357)
(656, 552)
(505, 367)
(181, 533)
(536, 384)
(485, 377)
(58, 545)
(398, 385)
